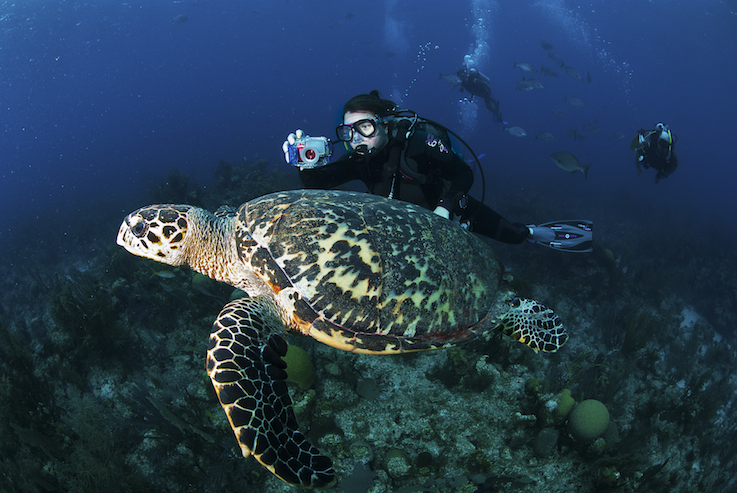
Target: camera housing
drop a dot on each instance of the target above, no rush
(310, 152)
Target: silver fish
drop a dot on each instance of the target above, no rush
(516, 131)
(592, 127)
(568, 162)
(556, 59)
(616, 136)
(574, 73)
(453, 79)
(546, 45)
(549, 72)
(525, 67)
(574, 101)
(524, 85)
(547, 136)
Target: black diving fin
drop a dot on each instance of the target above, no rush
(566, 235)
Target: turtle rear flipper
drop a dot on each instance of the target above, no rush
(245, 366)
(534, 324)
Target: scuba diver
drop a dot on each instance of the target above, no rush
(477, 84)
(654, 149)
(398, 155)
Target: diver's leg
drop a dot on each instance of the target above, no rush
(487, 222)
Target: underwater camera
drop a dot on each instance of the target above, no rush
(309, 152)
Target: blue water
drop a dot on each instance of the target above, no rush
(101, 98)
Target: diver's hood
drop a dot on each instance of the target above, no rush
(664, 135)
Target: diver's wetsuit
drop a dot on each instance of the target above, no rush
(432, 174)
(654, 157)
(478, 85)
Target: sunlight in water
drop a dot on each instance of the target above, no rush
(477, 57)
(578, 29)
(395, 39)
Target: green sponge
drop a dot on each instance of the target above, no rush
(299, 367)
(588, 420)
(565, 404)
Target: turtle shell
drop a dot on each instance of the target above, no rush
(368, 274)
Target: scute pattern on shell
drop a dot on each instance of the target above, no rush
(369, 268)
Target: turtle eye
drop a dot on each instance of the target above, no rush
(139, 228)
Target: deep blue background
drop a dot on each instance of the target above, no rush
(101, 99)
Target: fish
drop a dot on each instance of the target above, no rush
(547, 136)
(453, 79)
(164, 274)
(179, 19)
(616, 136)
(574, 73)
(556, 59)
(350, 15)
(524, 85)
(574, 101)
(592, 127)
(549, 72)
(559, 114)
(546, 45)
(572, 133)
(516, 131)
(588, 76)
(568, 162)
(525, 67)
(536, 83)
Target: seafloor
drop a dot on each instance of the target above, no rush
(103, 386)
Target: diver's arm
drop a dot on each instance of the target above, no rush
(456, 171)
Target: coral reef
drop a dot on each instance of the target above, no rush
(102, 383)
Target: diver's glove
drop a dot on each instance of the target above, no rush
(442, 212)
(452, 204)
(291, 139)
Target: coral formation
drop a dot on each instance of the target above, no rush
(565, 404)
(588, 420)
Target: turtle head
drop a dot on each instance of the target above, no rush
(157, 232)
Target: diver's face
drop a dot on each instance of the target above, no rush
(374, 143)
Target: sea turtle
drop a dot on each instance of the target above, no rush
(355, 271)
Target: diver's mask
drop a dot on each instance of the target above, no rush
(366, 128)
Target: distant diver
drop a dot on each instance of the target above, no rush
(477, 84)
(654, 149)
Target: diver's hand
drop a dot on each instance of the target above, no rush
(442, 212)
(291, 139)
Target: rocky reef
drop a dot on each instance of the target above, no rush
(102, 382)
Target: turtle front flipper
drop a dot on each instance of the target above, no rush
(245, 366)
(534, 324)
